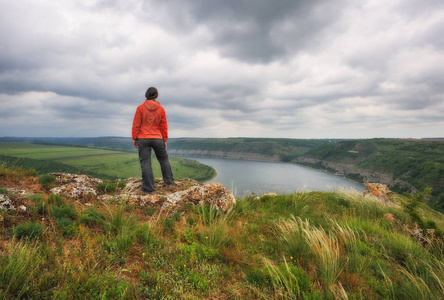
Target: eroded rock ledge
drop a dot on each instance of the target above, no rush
(85, 188)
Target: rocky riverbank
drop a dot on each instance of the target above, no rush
(351, 171)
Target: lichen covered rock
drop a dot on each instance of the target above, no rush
(5, 203)
(214, 194)
(75, 186)
(377, 190)
(184, 191)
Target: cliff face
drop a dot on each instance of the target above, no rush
(225, 154)
(343, 169)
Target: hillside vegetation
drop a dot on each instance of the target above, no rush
(405, 165)
(418, 163)
(285, 149)
(109, 164)
(299, 246)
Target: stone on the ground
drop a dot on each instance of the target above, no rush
(377, 190)
(5, 203)
(75, 186)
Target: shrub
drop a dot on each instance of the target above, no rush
(64, 216)
(28, 230)
(92, 217)
(3, 191)
(145, 235)
(257, 277)
(55, 199)
(107, 187)
(198, 281)
(40, 205)
(121, 184)
(47, 181)
(68, 226)
(65, 211)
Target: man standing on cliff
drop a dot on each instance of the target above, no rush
(150, 130)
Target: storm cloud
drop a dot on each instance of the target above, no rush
(260, 68)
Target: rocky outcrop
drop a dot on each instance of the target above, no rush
(377, 190)
(224, 154)
(75, 186)
(85, 188)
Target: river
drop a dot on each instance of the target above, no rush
(243, 177)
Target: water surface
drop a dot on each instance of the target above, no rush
(245, 177)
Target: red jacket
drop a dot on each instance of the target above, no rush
(150, 122)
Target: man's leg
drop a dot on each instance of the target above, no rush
(162, 157)
(145, 164)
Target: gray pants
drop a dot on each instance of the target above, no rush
(158, 145)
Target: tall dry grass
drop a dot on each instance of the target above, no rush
(322, 245)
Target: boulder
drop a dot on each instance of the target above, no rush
(75, 186)
(214, 194)
(377, 190)
(5, 203)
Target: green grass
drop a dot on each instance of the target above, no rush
(419, 163)
(317, 245)
(110, 164)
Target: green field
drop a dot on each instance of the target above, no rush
(110, 164)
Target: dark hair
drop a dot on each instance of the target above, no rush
(151, 93)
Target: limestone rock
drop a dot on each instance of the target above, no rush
(214, 194)
(75, 186)
(377, 190)
(184, 191)
(5, 203)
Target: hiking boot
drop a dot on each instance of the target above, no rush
(142, 193)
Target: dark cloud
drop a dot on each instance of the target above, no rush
(223, 68)
(258, 31)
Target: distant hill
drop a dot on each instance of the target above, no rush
(263, 149)
(406, 165)
(403, 164)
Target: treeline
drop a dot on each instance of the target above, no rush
(287, 149)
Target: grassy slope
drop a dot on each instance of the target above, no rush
(421, 163)
(96, 162)
(307, 245)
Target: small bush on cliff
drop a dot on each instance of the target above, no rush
(92, 217)
(28, 230)
(107, 187)
(64, 217)
(47, 181)
(3, 191)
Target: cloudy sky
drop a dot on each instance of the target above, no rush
(227, 68)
